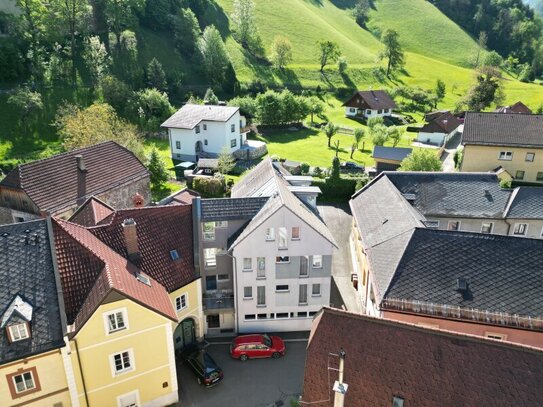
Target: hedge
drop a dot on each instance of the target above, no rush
(209, 187)
(336, 190)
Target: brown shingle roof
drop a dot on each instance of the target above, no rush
(371, 99)
(160, 230)
(52, 183)
(503, 129)
(444, 123)
(425, 367)
(90, 271)
(518, 107)
(91, 212)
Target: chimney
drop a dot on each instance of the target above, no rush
(80, 163)
(138, 200)
(131, 238)
(340, 388)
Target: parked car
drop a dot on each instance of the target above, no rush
(349, 166)
(202, 364)
(257, 346)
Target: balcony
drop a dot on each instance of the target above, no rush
(218, 302)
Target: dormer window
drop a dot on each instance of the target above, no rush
(142, 278)
(18, 332)
(116, 321)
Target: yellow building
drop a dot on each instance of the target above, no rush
(511, 141)
(32, 371)
(132, 299)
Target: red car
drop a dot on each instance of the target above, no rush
(257, 346)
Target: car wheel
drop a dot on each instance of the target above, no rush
(243, 358)
(276, 355)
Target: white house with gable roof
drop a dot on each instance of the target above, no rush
(204, 130)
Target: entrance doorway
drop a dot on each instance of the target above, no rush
(184, 335)
(198, 148)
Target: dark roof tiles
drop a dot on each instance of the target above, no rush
(231, 208)
(371, 99)
(391, 153)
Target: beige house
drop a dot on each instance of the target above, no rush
(513, 142)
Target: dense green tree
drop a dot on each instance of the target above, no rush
(316, 107)
(157, 170)
(281, 51)
(359, 134)
(156, 78)
(361, 11)
(28, 103)
(125, 57)
(244, 22)
(247, 105)
(485, 91)
(215, 58)
(494, 59)
(421, 159)
(96, 59)
(226, 161)
(394, 134)
(32, 21)
(393, 51)
(379, 135)
(210, 97)
(335, 173)
(328, 52)
(121, 15)
(330, 131)
(374, 121)
(186, 31)
(117, 94)
(440, 91)
(152, 107)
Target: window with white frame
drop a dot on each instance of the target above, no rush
(233, 143)
(282, 259)
(295, 233)
(181, 302)
(116, 321)
(505, 155)
(232, 128)
(317, 261)
(302, 299)
(270, 234)
(210, 258)
(205, 127)
(352, 110)
(529, 157)
(487, 227)
(18, 332)
(24, 382)
(283, 238)
(209, 231)
(261, 267)
(122, 362)
(316, 290)
(520, 229)
(261, 295)
(368, 111)
(247, 292)
(247, 263)
(281, 288)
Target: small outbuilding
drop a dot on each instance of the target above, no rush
(389, 158)
(440, 127)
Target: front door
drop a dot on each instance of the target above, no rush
(188, 332)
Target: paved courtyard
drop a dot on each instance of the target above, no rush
(255, 383)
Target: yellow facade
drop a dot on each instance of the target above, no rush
(193, 308)
(486, 158)
(50, 378)
(148, 340)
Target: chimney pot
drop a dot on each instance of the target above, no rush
(131, 238)
(80, 163)
(138, 200)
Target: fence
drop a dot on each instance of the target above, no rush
(345, 130)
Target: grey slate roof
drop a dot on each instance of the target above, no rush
(503, 129)
(503, 272)
(374, 99)
(27, 270)
(231, 208)
(391, 153)
(474, 195)
(525, 203)
(191, 115)
(386, 222)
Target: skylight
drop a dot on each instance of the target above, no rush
(174, 255)
(142, 278)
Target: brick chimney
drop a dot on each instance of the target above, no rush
(81, 179)
(131, 238)
(138, 200)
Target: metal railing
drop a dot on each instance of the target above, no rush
(218, 302)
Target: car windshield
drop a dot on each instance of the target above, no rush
(209, 364)
(267, 340)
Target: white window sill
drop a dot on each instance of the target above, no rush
(295, 238)
(261, 278)
(261, 305)
(247, 270)
(317, 267)
(247, 298)
(316, 295)
(304, 276)
(109, 332)
(302, 304)
(121, 372)
(282, 291)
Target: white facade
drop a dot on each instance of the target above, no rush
(281, 309)
(208, 137)
(368, 113)
(435, 138)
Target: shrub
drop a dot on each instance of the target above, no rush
(209, 187)
(304, 168)
(342, 64)
(317, 172)
(340, 189)
(505, 184)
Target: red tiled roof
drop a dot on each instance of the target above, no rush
(425, 367)
(91, 212)
(183, 197)
(90, 271)
(52, 183)
(160, 230)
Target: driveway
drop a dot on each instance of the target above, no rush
(255, 383)
(339, 220)
(447, 158)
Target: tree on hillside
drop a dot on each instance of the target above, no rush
(281, 51)
(394, 134)
(226, 161)
(379, 135)
(73, 18)
(117, 94)
(186, 31)
(494, 59)
(97, 123)
(316, 107)
(440, 91)
(422, 159)
(152, 107)
(32, 20)
(374, 121)
(210, 97)
(121, 14)
(246, 31)
(96, 59)
(156, 78)
(157, 170)
(335, 173)
(328, 52)
(28, 103)
(214, 55)
(481, 46)
(393, 51)
(359, 134)
(330, 130)
(486, 90)
(361, 11)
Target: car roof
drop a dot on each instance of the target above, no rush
(243, 339)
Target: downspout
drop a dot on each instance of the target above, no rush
(235, 274)
(196, 220)
(81, 373)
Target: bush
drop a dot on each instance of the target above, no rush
(304, 168)
(209, 187)
(7, 165)
(342, 65)
(340, 189)
(317, 172)
(505, 184)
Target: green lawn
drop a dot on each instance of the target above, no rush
(163, 147)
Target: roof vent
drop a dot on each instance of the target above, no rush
(80, 163)
(410, 197)
(461, 284)
(487, 193)
(397, 401)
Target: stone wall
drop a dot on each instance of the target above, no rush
(5, 216)
(123, 197)
(251, 154)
